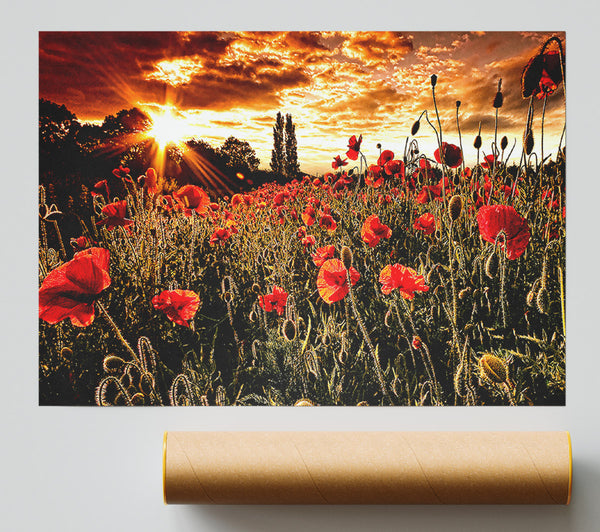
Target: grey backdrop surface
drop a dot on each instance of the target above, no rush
(97, 469)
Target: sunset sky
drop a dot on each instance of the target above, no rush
(335, 85)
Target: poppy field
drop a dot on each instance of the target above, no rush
(412, 279)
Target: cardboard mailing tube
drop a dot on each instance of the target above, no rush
(367, 467)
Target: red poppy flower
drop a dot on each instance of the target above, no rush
(373, 231)
(425, 223)
(354, 147)
(405, 279)
(70, 290)
(115, 215)
(280, 197)
(488, 161)
(193, 199)
(81, 243)
(424, 172)
(121, 172)
(327, 222)
(308, 216)
(220, 235)
(180, 306)
(100, 188)
(166, 203)
(452, 155)
(322, 254)
(332, 281)
(386, 155)
(542, 75)
(374, 176)
(428, 193)
(309, 240)
(394, 167)
(495, 218)
(276, 300)
(338, 163)
(236, 199)
(151, 183)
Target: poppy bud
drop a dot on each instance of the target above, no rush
(228, 297)
(530, 299)
(289, 330)
(528, 141)
(304, 402)
(65, 352)
(463, 293)
(491, 265)
(477, 143)
(342, 356)
(433, 80)
(387, 320)
(457, 104)
(504, 143)
(493, 369)
(347, 258)
(113, 364)
(455, 207)
(362, 403)
(417, 343)
(256, 288)
(542, 301)
(138, 399)
(415, 128)
(498, 100)
(378, 146)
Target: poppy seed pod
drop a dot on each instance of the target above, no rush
(477, 143)
(493, 369)
(528, 141)
(347, 258)
(304, 402)
(498, 100)
(455, 207)
(457, 104)
(491, 265)
(503, 143)
(289, 330)
(113, 364)
(415, 128)
(542, 301)
(433, 80)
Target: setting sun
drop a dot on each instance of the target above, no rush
(167, 128)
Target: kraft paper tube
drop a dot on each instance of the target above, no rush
(367, 467)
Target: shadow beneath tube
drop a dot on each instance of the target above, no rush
(583, 514)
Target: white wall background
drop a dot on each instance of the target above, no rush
(76, 469)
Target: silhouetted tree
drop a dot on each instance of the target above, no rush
(126, 121)
(278, 152)
(238, 156)
(292, 168)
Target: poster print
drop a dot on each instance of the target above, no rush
(302, 218)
